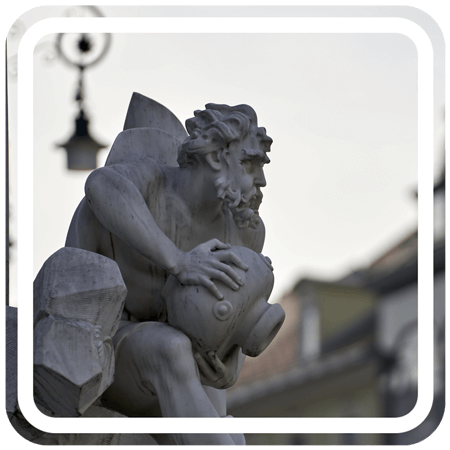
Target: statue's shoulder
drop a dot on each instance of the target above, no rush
(147, 174)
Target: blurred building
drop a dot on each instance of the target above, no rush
(349, 349)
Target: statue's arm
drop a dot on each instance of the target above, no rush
(116, 196)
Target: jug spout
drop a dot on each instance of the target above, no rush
(264, 330)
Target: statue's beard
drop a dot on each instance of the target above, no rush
(244, 210)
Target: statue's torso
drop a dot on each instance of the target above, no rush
(144, 279)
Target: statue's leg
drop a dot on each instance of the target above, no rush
(155, 366)
(218, 398)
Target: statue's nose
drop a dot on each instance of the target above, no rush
(260, 179)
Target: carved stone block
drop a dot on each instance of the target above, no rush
(78, 301)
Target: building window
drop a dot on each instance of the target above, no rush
(310, 329)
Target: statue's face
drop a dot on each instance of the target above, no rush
(245, 172)
(246, 161)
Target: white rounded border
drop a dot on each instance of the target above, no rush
(225, 25)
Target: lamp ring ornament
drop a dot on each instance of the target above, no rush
(83, 40)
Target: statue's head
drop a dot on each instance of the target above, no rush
(229, 140)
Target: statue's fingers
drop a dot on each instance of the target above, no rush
(215, 244)
(205, 368)
(230, 256)
(229, 271)
(217, 364)
(205, 281)
(269, 261)
(219, 275)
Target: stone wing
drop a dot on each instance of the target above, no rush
(151, 130)
(151, 142)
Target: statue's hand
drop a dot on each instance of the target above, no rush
(207, 262)
(214, 373)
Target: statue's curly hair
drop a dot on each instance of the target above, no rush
(216, 127)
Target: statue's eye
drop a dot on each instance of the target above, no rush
(247, 165)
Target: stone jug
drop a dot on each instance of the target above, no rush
(242, 318)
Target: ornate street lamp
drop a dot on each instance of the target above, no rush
(81, 147)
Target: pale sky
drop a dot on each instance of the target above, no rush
(341, 109)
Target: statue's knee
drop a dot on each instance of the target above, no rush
(175, 346)
(159, 353)
(175, 360)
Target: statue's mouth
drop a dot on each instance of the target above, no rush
(246, 212)
(253, 203)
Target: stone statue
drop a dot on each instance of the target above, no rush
(178, 213)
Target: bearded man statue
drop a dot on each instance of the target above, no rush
(158, 213)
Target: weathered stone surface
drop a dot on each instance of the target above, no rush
(158, 219)
(18, 421)
(78, 301)
(145, 112)
(81, 285)
(156, 144)
(168, 204)
(72, 365)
